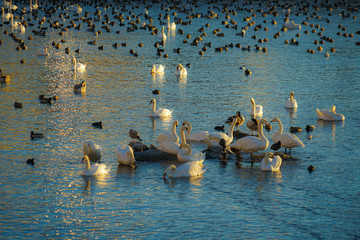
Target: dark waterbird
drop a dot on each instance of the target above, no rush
(134, 134)
(34, 135)
(98, 124)
(276, 146)
(30, 161)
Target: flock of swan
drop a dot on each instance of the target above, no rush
(169, 142)
(191, 159)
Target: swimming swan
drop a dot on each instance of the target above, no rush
(189, 169)
(288, 140)
(160, 112)
(93, 151)
(256, 110)
(125, 155)
(169, 136)
(186, 153)
(42, 52)
(157, 68)
(291, 102)
(271, 162)
(252, 144)
(291, 25)
(95, 169)
(180, 70)
(195, 136)
(78, 66)
(162, 35)
(329, 115)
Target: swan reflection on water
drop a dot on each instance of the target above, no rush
(91, 181)
(125, 169)
(332, 125)
(158, 77)
(166, 121)
(292, 112)
(196, 181)
(181, 80)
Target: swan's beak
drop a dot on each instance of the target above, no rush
(273, 120)
(82, 159)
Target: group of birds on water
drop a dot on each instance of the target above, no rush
(168, 142)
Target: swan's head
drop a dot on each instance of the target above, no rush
(276, 119)
(333, 109)
(74, 60)
(252, 101)
(176, 122)
(152, 101)
(153, 69)
(262, 121)
(179, 67)
(291, 94)
(238, 113)
(184, 127)
(171, 168)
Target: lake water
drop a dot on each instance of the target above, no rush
(52, 200)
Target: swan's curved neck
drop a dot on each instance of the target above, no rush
(153, 105)
(280, 127)
(173, 132)
(253, 108)
(182, 136)
(261, 133)
(87, 164)
(291, 98)
(189, 127)
(231, 128)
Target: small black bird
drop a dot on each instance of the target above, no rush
(98, 124)
(156, 91)
(311, 168)
(220, 128)
(36, 135)
(310, 128)
(276, 146)
(30, 161)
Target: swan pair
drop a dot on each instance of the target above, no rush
(157, 69)
(160, 112)
(189, 169)
(329, 115)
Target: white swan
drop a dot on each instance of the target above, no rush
(180, 70)
(195, 136)
(271, 162)
(288, 140)
(252, 144)
(95, 169)
(291, 25)
(256, 110)
(160, 112)
(189, 169)
(171, 26)
(329, 115)
(93, 151)
(78, 66)
(125, 155)
(291, 102)
(42, 52)
(213, 138)
(157, 68)
(169, 136)
(186, 153)
(162, 35)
